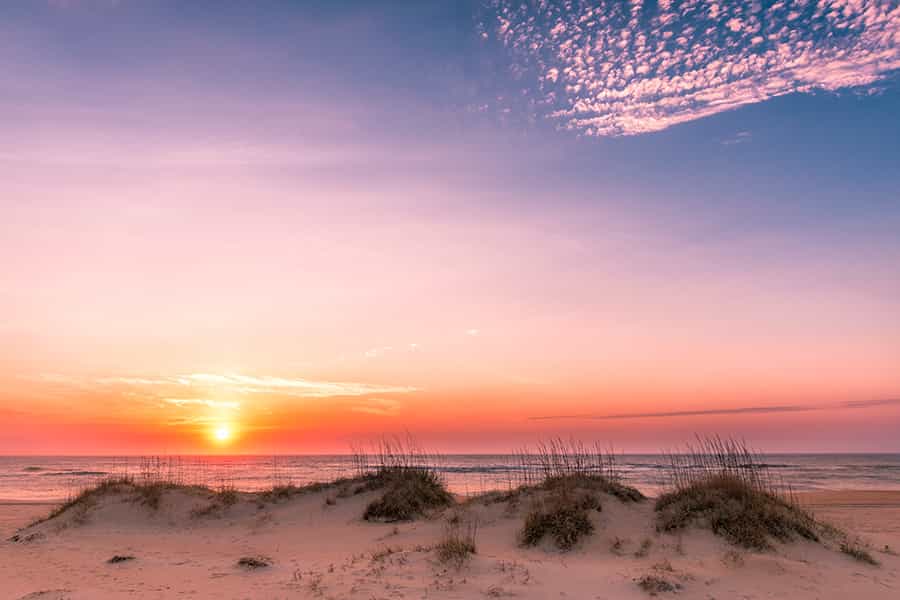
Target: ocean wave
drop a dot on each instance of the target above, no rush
(33, 469)
(74, 473)
(479, 469)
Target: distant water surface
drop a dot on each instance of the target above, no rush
(53, 478)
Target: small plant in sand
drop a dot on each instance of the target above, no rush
(655, 584)
(644, 550)
(564, 518)
(227, 495)
(856, 550)
(724, 485)
(410, 482)
(120, 558)
(458, 543)
(254, 562)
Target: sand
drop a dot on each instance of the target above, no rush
(323, 550)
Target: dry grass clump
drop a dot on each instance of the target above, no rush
(855, 549)
(346, 486)
(226, 496)
(562, 517)
(119, 558)
(559, 467)
(458, 543)
(154, 477)
(410, 482)
(654, 584)
(87, 497)
(221, 499)
(558, 464)
(409, 492)
(148, 493)
(724, 485)
(254, 562)
(565, 479)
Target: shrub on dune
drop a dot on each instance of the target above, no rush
(723, 485)
(409, 492)
(564, 479)
(560, 466)
(410, 484)
(565, 519)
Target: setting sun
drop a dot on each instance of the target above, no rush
(222, 433)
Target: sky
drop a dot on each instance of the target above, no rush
(280, 227)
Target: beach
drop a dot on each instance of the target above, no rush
(318, 546)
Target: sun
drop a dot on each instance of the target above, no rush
(222, 433)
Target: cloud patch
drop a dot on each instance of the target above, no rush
(625, 68)
(168, 388)
(382, 407)
(790, 408)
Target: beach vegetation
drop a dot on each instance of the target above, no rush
(563, 518)
(565, 481)
(119, 558)
(408, 479)
(721, 484)
(254, 562)
(656, 584)
(458, 543)
(855, 549)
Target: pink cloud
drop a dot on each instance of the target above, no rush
(621, 70)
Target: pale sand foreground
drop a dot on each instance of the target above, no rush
(323, 551)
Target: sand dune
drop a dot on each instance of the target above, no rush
(319, 547)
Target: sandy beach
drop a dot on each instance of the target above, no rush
(320, 547)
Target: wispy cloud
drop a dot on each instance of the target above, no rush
(871, 403)
(300, 387)
(625, 68)
(297, 387)
(789, 408)
(739, 138)
(383, 407)
(232, 405)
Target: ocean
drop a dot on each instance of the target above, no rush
(55, 478)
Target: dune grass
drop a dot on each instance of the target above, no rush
(655, 585)
(409, 492)
(148, 493)
(458, 543)
(720, 483)
(564, 480)
(566, 521)
(410, 483)
(345, 486)
(856, 550)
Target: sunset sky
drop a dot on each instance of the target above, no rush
(285, 226)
